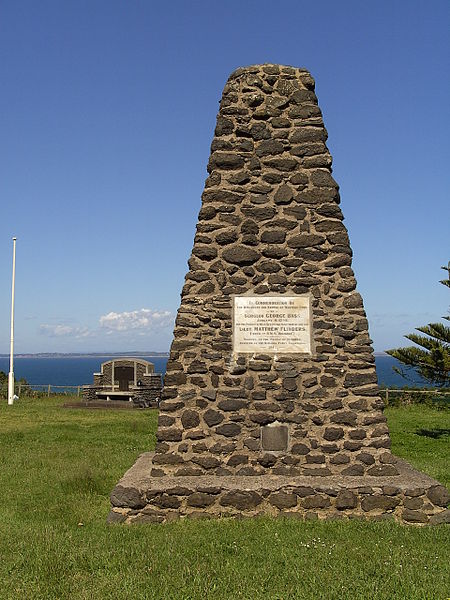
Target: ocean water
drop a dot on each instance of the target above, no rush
(74, 371)
(70, 371)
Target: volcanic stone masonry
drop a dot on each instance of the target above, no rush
(254, 411)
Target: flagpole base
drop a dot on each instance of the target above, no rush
(10, 388)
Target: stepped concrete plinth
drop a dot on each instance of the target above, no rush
(270, 402)
(411, 496)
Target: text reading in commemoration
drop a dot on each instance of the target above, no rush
(275, 324)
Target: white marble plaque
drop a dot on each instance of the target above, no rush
(272, 324)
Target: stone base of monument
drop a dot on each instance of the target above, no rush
(411, 497)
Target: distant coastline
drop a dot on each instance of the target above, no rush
(102, 354)
(85, 354)
(76, 368)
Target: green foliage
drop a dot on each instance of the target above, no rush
(58, 466)
(432, 358)
(4, 383)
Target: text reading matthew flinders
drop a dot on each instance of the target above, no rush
(272, 324)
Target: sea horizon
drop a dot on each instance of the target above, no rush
(105, 353)
(76, 369)
(133, 353)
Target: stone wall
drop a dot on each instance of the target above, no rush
(412, 497)
(148, 394)
(270, 223)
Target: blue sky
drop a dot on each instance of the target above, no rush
(107, 111)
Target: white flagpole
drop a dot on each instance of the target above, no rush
(11, 350)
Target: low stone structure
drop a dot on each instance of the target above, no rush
(270, 399)
(411, 497)
(129, 379)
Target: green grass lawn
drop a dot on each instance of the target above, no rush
(58, 467)
(421, 436)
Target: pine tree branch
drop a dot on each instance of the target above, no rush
(438, 331)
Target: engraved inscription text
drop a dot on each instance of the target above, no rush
(273, 324)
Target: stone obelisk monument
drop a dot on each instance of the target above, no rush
(270, 399)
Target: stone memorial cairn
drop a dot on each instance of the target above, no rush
(270, 400)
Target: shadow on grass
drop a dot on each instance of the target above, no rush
(435, 433)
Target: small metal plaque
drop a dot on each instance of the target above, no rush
(272, 324)
(274, 437)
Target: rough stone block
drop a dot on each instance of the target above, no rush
(346, 500)
(379, 503)
(242, 500)
(200, 500)
(316, 501)
(283, 500)
(439, 495)
(414, 516)
(440, 518)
